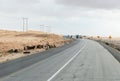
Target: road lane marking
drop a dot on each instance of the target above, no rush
(66, 64)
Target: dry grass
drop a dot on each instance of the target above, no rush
(18, 40)
(113, 42)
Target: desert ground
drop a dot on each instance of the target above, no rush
(113, 42)
(13, 43)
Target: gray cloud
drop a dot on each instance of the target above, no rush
(13, 6)
(103, 4)
(47, 12)
(35, 8)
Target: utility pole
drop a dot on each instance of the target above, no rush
(48, 29)
(25, 24)
(41, 27)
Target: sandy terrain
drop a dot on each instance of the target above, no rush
(18, 40)
(113, 42)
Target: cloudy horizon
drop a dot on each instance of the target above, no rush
(85, 17)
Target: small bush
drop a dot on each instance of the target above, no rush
(107, 43)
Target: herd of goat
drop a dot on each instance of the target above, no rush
(32, 47)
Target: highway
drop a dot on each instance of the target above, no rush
(82, 60)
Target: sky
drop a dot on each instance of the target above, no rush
(84, 17)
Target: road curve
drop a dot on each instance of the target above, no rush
(85, 61)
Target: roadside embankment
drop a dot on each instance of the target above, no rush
(14, 44)
(113, 49)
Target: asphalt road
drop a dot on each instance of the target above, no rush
(18, 64)
(84, 60)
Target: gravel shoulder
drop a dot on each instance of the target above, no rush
(112, 50)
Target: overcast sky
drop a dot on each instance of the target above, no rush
(86, 17)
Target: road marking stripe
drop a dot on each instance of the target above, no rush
(66, 64)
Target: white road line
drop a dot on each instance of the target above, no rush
(66, 64)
